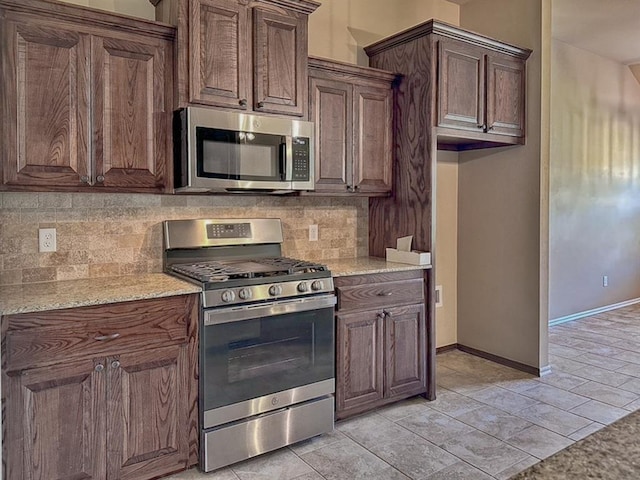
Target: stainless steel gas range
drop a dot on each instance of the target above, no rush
(266, 337)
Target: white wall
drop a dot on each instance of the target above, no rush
(501, 273)
(446, 257)
(595, 182)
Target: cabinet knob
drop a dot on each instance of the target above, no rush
(115, 364)
(349, 188)
(260, 105)
(100, 178)
(243, 102)
(490, 127)
(99, 367)
(106, 338)
(84, 179)
(480, 126)
(380, 316)
(357, 188)
(384, 294)
(386, 313)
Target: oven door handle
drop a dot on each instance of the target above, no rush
(248, 312)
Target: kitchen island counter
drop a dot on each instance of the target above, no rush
(341, 267)
(36, 297)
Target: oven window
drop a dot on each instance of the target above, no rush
(251, 358)
(233, 155)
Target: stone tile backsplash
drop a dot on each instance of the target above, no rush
(102, 235)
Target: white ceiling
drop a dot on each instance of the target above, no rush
(610, 28)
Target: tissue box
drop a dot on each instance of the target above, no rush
(413, 257)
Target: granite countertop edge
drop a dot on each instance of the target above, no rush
(342, 267)
(57, 295)
(39, 297)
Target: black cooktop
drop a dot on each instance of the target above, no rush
(254, 271)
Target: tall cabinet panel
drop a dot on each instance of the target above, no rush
(56, 409)
(220, 61)
(147, 389)
(373, 120)
(280, 63)
(46, 106)
(330, 111)
(130, 113)
(461, 86)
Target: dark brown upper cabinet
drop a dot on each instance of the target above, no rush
(241, 55)
(352, 110)
(87, 99)
(480, 91)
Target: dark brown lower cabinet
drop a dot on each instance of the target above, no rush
(381, 340)
(116, 409)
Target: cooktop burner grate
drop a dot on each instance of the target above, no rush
(221, 271)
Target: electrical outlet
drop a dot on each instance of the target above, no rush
(438, 295)
(605, 280)
(47, 239)
(313, 233)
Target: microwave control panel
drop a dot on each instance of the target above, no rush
(300, 148)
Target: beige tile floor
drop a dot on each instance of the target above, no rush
(489, 421)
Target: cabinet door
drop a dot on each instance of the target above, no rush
(373, 123)
(332, 114)
(505, 95)
(131, 112)
(405, 348)
(280, 62)
(45, 85)
(220, 61)
(147, 413)
(359, 360)
(55, 422)
(461, 86)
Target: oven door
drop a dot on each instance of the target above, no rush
(263, 357)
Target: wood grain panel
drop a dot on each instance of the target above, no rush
(147, 414)
(47, 337)
(130, 113)
(359, 360)
(506, 91)
(405, 341)
(378, 295)
(46, 91)
(54, 423)
(280, 62)
(409, 211)
(372, 157)
(461, 86)
(220, 55)
(331, 111)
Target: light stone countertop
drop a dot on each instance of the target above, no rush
(34, 297)
(342, 267)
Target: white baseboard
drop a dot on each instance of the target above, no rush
(587, 313)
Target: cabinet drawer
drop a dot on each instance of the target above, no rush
(376, 295)
(42, 338)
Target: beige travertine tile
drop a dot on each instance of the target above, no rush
(33, 275)
(72, 272)
(104, 270)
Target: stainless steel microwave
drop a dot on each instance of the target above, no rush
(218, 151)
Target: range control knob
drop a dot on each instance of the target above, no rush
(317, 285)
(303, 287)
(228, 296)
(245, 293)
(275, 290)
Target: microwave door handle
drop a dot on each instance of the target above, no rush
(288, 158)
